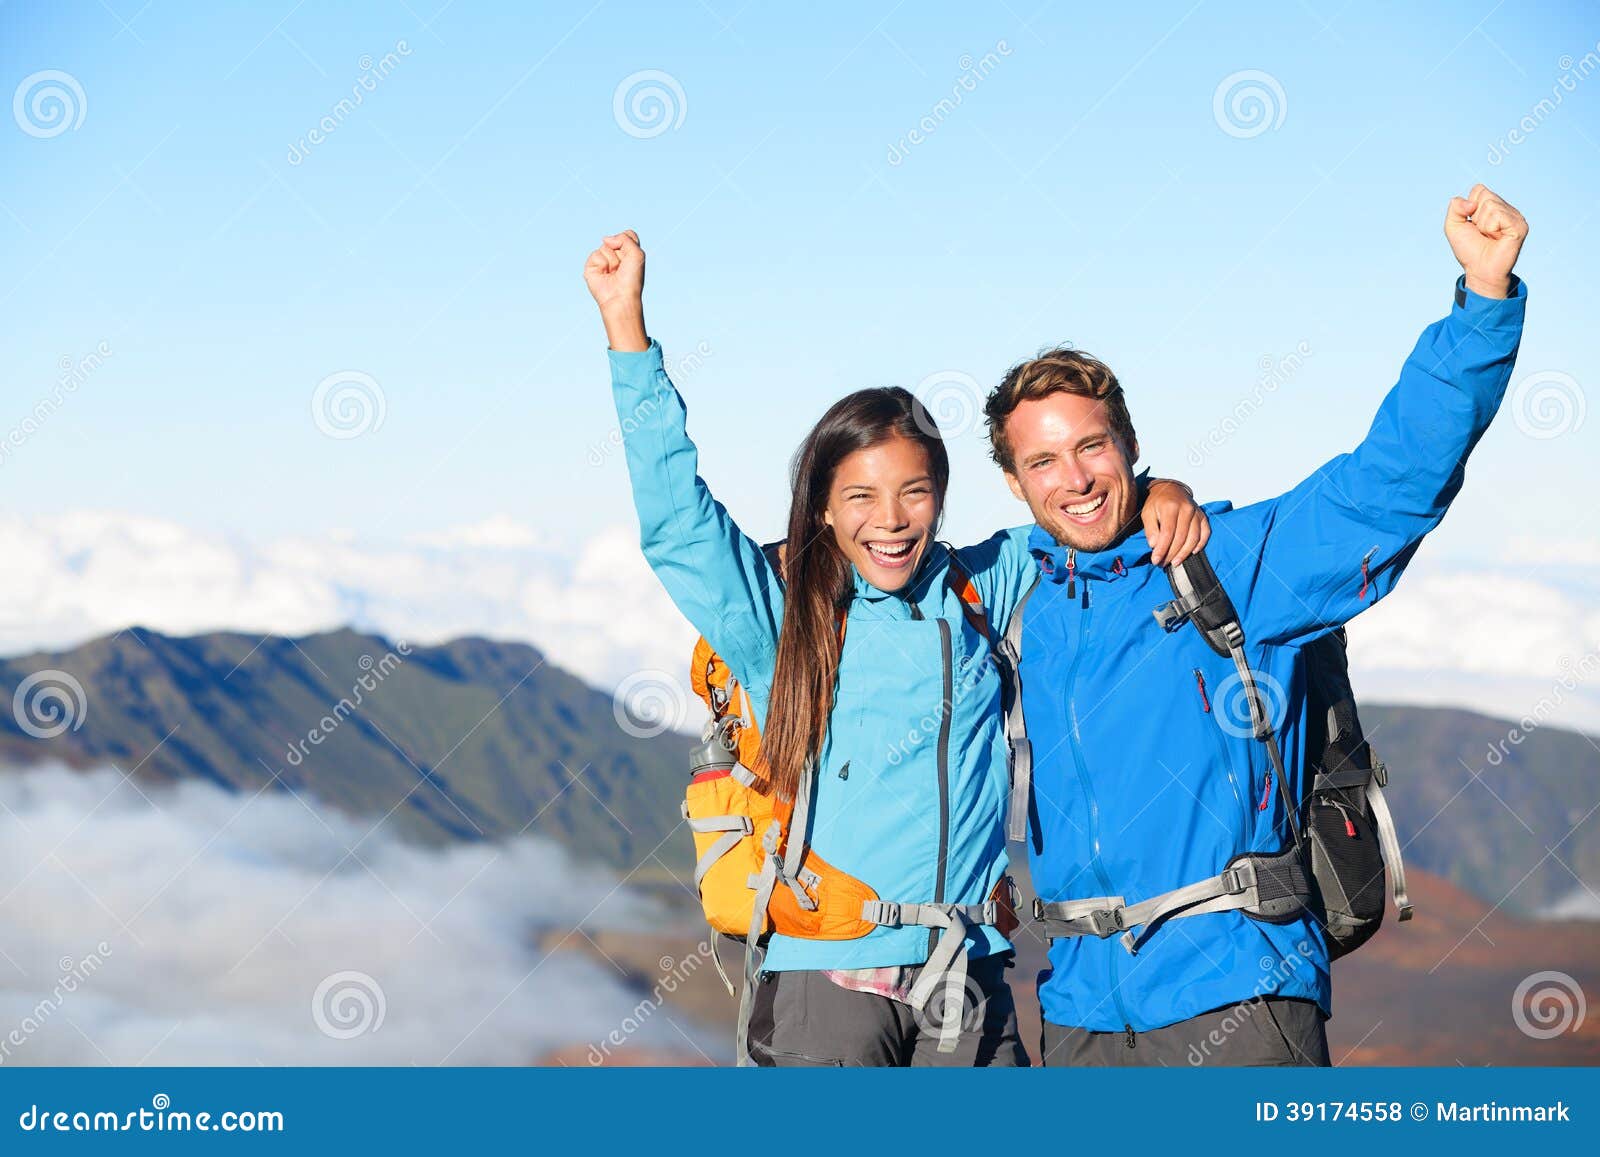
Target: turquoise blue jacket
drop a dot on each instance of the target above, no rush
(913, 778)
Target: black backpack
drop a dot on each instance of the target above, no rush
(1344, 832)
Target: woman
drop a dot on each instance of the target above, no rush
(881, 707)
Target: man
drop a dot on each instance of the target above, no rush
(1146, 775)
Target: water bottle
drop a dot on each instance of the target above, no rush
(712, 753)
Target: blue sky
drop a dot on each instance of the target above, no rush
(1088, 187)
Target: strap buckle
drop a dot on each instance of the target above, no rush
(1380, 773)
(1171, 615)
(1234, 882)
(882, 912)
(1106, 921)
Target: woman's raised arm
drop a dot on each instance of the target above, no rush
(718, 577)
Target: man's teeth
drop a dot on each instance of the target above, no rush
(1087, 507)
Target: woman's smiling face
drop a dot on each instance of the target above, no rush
(884, 510)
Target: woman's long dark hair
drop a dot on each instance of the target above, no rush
(817, 575)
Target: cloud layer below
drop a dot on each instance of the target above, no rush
(187, 926)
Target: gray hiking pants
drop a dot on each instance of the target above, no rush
(1272, 1030)
(802, 1018)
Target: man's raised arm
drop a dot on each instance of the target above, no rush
(1315, 557)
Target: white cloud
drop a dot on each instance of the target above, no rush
(1501, 642)
(1496, 640)
(1579, 904)
(220, 916)
(596, 609)
(498, 531)
(1557, 552)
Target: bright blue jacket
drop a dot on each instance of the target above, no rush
(1145, 780)
(919, 816)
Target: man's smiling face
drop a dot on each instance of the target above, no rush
(1072, 471)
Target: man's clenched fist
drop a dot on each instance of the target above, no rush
(1486, 235)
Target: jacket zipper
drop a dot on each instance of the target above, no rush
(1240, 797)
(944, 772)
(1076, 744)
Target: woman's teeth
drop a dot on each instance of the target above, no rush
(889, 553)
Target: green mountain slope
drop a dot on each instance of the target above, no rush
(469, 740)
(1520, 826)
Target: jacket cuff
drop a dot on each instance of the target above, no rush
(1491, 311)
(637, 367)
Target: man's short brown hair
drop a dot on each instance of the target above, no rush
(1062, 370)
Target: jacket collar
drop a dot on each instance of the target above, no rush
(1108, 565)
(913, 591)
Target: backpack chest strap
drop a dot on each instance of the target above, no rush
(890, 914)
(1259, 885)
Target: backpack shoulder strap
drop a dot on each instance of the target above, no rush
(959, 581)
(1334, 736)
(1202, 601)
(1009, 655)
(1007, 652)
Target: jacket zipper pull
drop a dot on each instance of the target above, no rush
(1129, 1041)
(1266, 796)
(1349, 824)
(1366, 575)
(1200, 682)
(1072, 566)
(844, 772)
